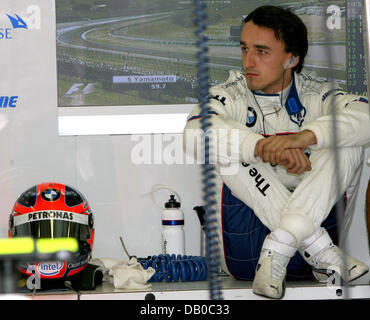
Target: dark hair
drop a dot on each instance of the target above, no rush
(287, 26)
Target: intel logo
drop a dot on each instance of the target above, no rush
(50, 268)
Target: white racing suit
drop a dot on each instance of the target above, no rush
(255, 198)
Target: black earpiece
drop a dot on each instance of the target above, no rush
(291, 61)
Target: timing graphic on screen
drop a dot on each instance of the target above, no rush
(143, 52)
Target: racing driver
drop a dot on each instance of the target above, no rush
(275, 214)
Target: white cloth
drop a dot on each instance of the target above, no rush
(126, 275)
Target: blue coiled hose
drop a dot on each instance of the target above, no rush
(212, 251)
(176, 268)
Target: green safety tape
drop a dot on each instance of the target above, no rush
(56, 244)
(17, 246)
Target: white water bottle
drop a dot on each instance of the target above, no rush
(173, 236)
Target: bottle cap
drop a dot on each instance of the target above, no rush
(172, 203)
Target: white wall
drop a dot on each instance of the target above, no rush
(357, 241)
(100, 167)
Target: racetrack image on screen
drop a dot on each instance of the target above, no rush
(143, 52)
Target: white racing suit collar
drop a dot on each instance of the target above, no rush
(290, 97)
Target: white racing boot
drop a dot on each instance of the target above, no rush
(277, 249)
(327, 260)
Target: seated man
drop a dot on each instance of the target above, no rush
(276, 203)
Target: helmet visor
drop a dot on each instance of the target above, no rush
(52, 224)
